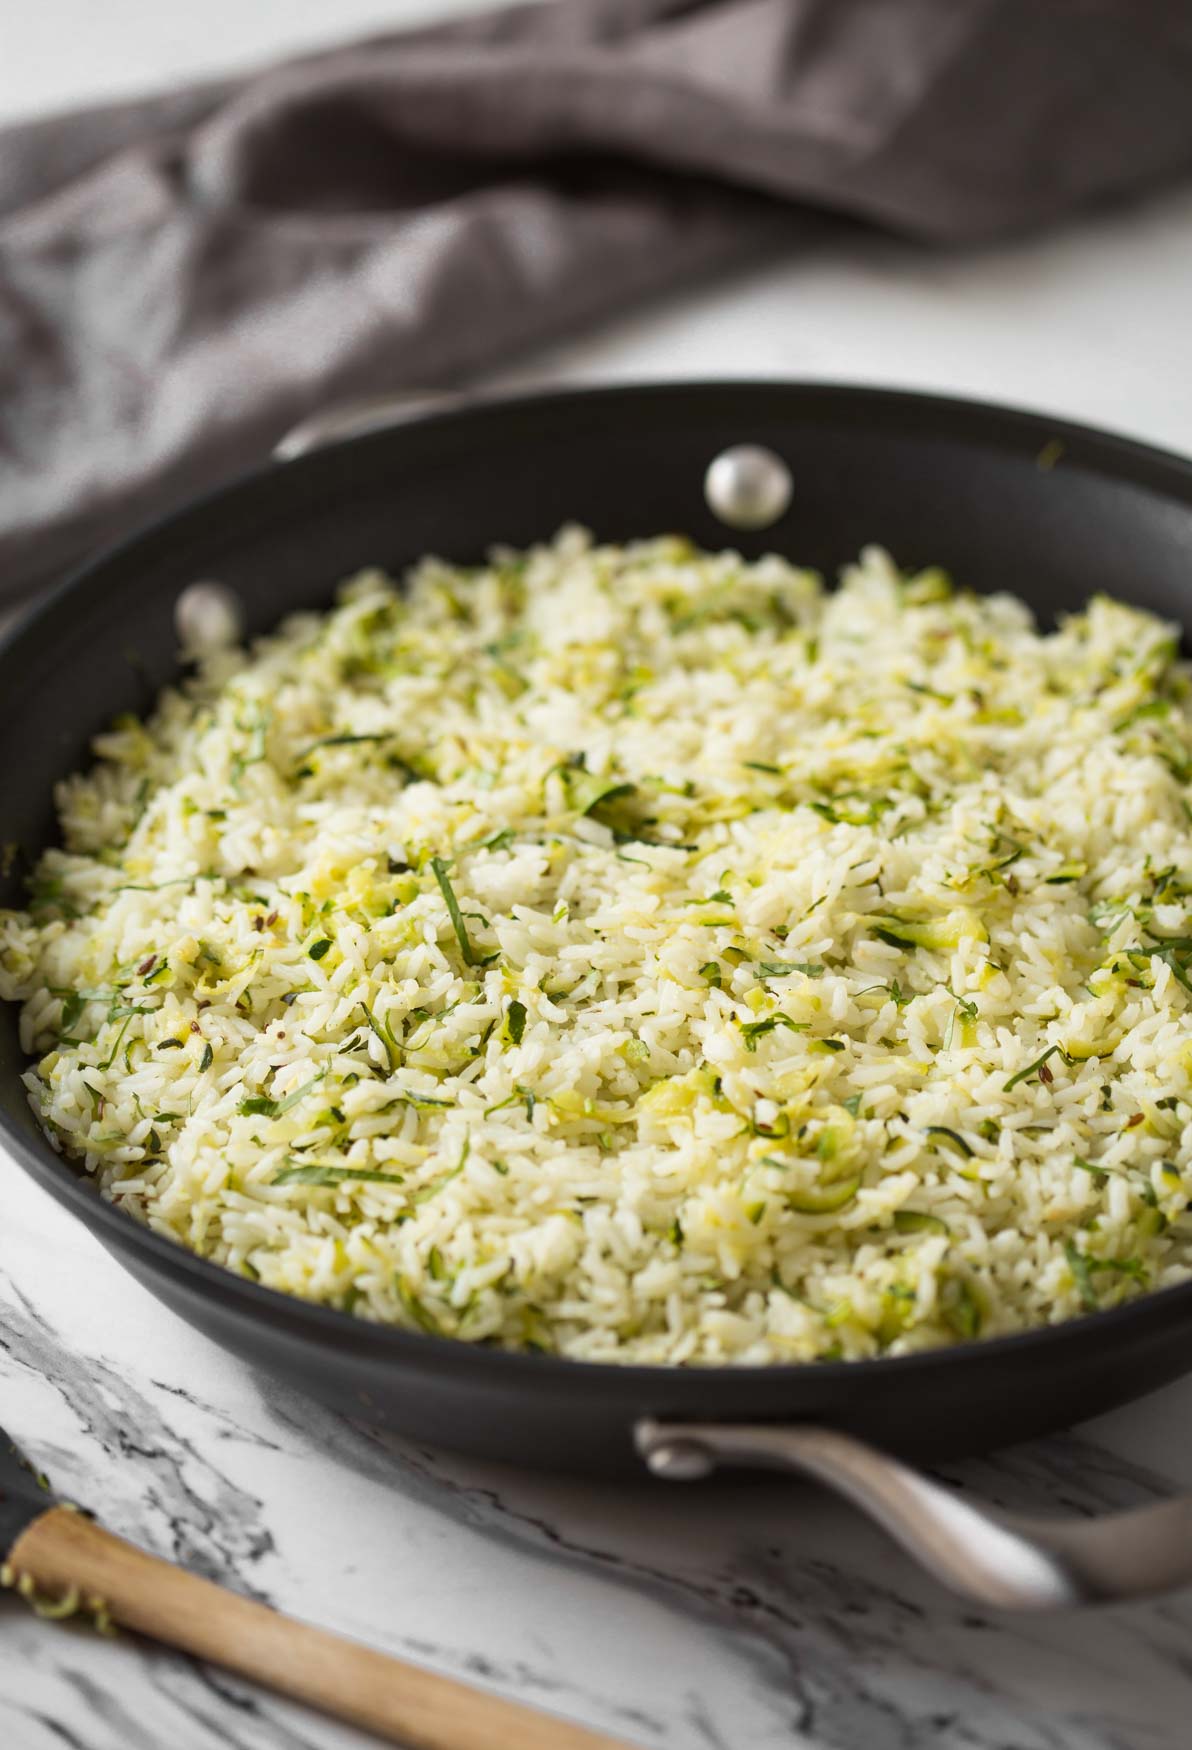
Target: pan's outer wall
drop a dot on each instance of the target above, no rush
(1003, 499)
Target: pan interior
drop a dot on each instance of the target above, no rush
(1001, 500)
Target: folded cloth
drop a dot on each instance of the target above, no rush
(184, 276)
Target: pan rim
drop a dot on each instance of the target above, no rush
(1004, 425)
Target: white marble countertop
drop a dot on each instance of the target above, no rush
(754, 1615)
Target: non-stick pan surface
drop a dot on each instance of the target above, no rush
(1005, 500)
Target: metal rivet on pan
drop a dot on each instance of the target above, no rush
(679, 1461)
(748, 487)
(207, 617)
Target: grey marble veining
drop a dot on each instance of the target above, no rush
(708, 1617)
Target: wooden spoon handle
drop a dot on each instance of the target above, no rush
(403, 1703)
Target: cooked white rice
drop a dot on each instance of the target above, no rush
(811, 989)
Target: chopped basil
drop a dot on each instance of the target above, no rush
(515, 1022)
(1097, 1173)
(752, 1031)
(317, 949)
(1031, 1068)
(524, 1095)
(496, 841)
(436, 1185)
(261, 1105)
(326, 1175)
(1167, 954)
(384, 1035)
(154, 886)
(207, 1059)
(471, 957)
(127, 1014)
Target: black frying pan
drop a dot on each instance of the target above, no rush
(1003, 499)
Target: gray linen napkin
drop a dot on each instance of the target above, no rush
(184, 276)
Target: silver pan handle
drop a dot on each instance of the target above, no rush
(352, 418)
(1004, 1560)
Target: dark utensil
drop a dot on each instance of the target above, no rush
(63, 1562)
(1004, 499)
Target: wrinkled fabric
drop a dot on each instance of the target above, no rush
(185, 276)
